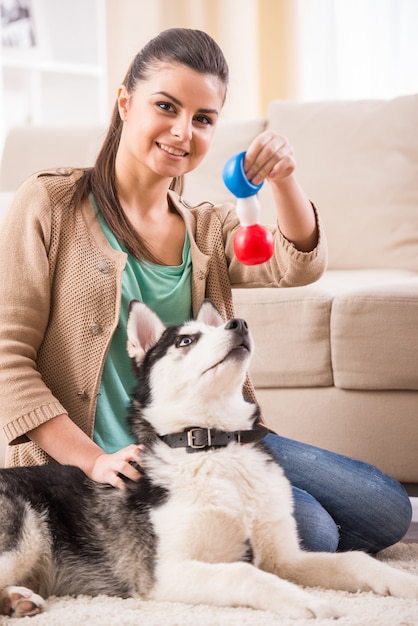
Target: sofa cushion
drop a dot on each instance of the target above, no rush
(358, 161)
(374, 334)
(354, 329)
(29, 149)
(291, 333)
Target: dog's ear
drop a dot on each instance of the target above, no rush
(144, 328)
(209, 314)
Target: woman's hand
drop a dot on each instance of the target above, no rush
(269, 156)
(65, 442)
(114, 469)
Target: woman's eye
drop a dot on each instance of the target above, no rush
(182, 342)
(202, 119)
(165, 106)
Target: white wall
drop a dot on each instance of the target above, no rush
(232, 23)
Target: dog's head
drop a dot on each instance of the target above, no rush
(190, 374)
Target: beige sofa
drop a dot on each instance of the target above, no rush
(336, 362)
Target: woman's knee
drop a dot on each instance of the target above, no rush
(316, 529)
(387, 515)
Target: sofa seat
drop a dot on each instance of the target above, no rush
(351, 329)
(374, 329)
(291, 330)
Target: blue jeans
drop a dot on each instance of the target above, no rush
(341, 503)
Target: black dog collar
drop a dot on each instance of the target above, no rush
(201, 439)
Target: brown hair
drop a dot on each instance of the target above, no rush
(192, 48)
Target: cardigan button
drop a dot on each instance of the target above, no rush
(63, 171)
(104, 267)
(96, 329)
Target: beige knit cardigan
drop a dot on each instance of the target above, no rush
(60, 293)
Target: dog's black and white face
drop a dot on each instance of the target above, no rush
(194, 369)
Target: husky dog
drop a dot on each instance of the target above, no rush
(210, 520)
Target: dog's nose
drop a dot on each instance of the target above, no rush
(237, 324)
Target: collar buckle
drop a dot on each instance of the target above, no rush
(196, 433)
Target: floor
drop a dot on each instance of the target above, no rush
(412, 534)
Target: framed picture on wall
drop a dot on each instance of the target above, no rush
(17, 24)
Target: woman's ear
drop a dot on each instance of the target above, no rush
(123, 102)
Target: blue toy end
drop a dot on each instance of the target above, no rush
(235, 179)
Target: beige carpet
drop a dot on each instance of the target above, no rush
(361, 609)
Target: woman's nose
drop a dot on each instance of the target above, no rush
(182, 128)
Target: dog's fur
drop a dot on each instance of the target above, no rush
(211, 527)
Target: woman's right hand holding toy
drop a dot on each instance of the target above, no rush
(244, 174)
(270, 156)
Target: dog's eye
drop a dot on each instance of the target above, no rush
(183, 342)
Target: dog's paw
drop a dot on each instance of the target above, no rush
(323, 610)
(297, 603)
(313, 609)
(397, 584)
(20, 602)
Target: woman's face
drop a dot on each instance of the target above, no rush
(169, 120)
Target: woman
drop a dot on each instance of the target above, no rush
(78, 245)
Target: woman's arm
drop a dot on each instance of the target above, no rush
(29, 407)
(67, 444)
(270, 156)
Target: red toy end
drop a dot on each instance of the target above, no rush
(253, 244)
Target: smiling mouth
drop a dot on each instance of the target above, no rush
(170, 150)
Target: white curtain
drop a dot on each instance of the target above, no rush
(350, 49)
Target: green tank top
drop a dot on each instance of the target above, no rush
(167, 291)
